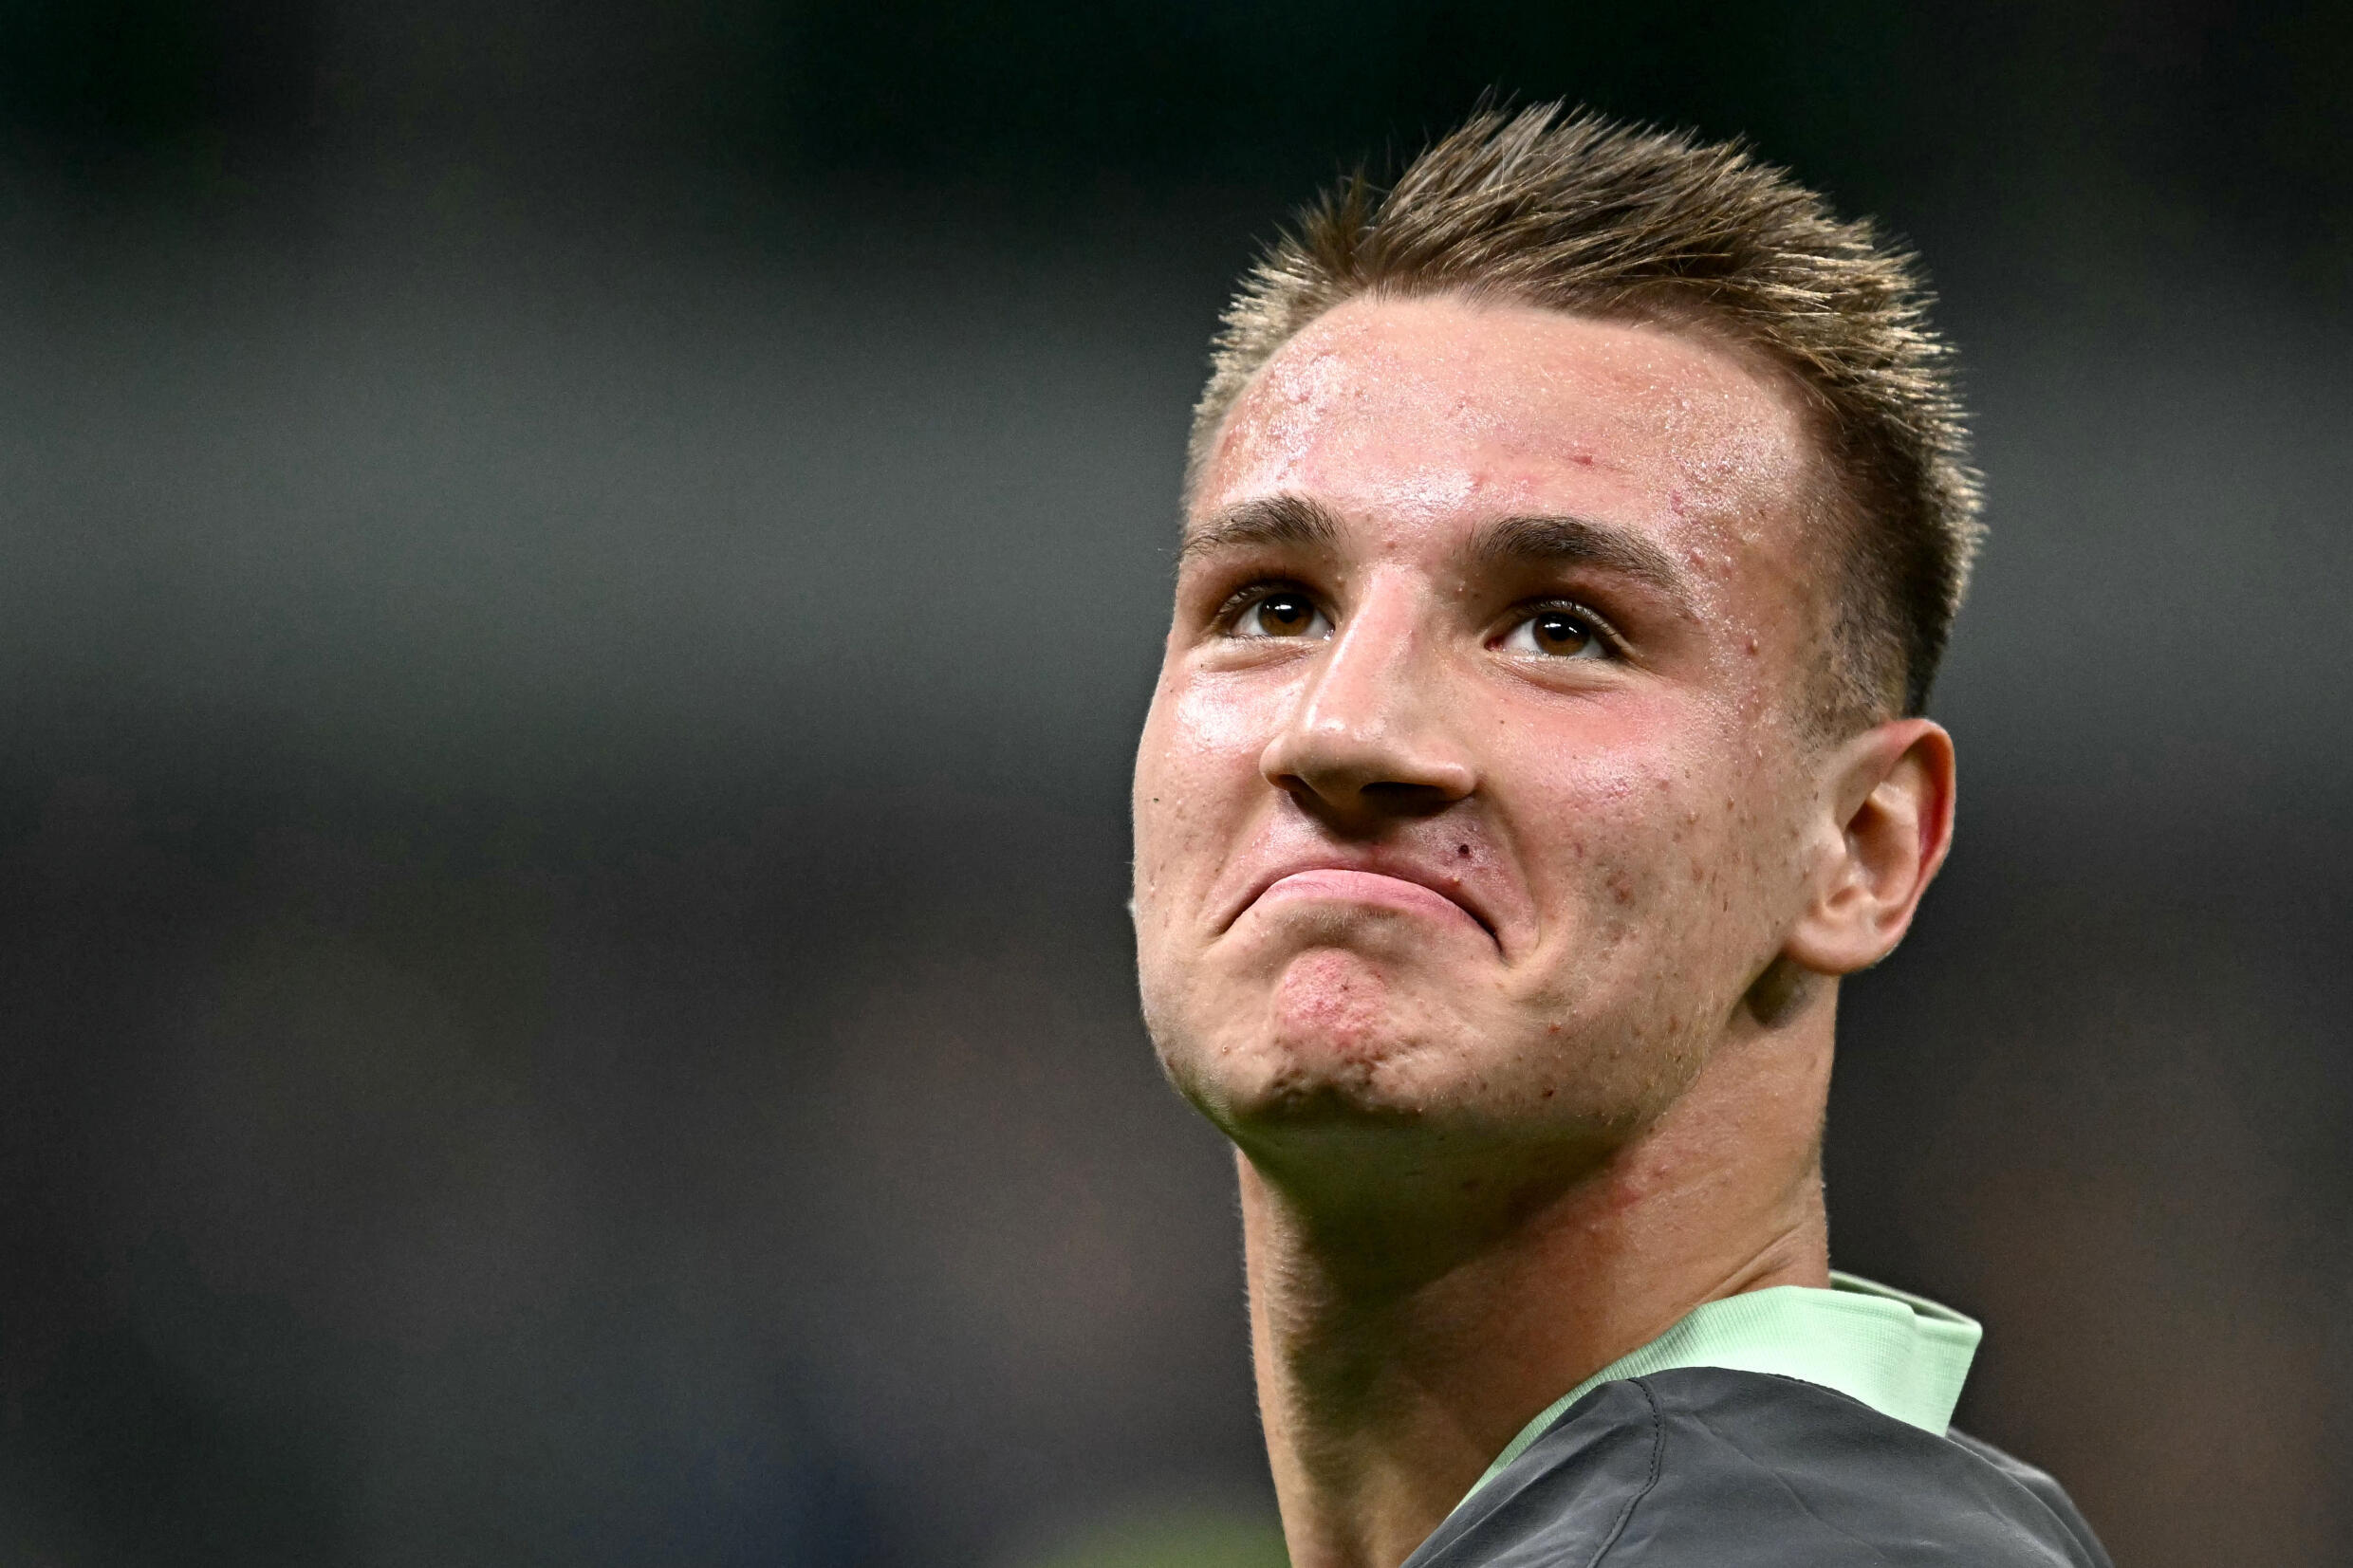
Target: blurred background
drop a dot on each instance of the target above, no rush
(576, 585)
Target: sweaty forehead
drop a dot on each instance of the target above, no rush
(1417, 410)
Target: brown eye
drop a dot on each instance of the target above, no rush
(1557, 634)
(1283, 614)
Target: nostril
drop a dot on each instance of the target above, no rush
(1407, 799)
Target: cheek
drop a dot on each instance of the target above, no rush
(1654, 846)
(1217, 720)
(1197, 774)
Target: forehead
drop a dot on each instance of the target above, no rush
(1417, 414)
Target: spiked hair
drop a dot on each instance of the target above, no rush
(1571, 211)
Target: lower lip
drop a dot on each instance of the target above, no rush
(1367, 888)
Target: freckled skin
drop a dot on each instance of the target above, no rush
(1638, 831)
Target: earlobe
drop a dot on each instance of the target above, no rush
(1887, 802)
(1779, 994)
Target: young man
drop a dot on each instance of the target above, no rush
(1571, 535)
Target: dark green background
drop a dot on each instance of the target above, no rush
(575, 587)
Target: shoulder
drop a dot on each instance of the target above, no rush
(1736, 1469)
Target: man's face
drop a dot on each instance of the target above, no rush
(1475, 790)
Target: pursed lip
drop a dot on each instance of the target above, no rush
(1450, 887)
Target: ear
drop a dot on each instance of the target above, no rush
(1886, 799)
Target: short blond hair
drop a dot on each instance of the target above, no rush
(1572, 211)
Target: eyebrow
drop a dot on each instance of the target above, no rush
(1297, 521)
(1576, 542)
(1268, 520)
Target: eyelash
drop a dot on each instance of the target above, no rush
(1613, 644)
(1229, 614)
(1237, 604)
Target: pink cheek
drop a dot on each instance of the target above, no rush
(1199, 779)
(1606, 827)
(1214, 721)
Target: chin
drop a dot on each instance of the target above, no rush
(1405, 1087)
(1291, 1037)
(1364, 1096)
(1257, 1085)
(1323, 1027)
(1368, 1135)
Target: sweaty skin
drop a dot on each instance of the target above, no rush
(1491, 876)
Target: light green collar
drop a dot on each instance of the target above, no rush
(1901, 1354)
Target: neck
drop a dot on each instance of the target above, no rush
(1386, 1391)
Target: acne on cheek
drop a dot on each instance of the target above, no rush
(1169, 801)
(1652, 847)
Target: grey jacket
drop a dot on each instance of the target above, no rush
(1702, 1467)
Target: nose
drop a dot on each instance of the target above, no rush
(1369, 738)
